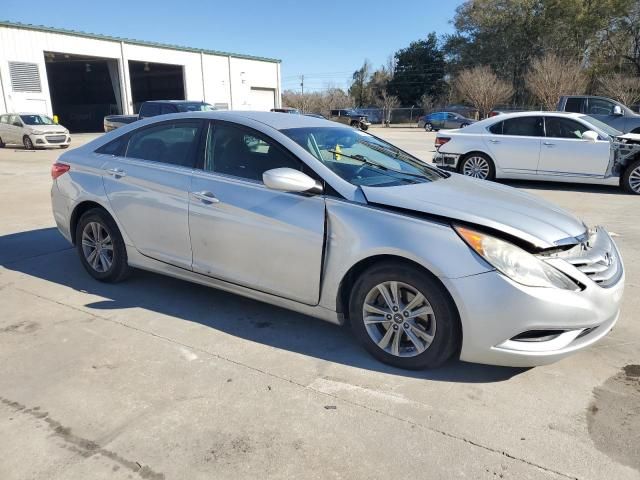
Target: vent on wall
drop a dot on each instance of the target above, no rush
(25, 77)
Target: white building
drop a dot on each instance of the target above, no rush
(82, 77)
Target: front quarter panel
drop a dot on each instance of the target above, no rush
(357, 232)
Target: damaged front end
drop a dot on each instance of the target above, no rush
(624, 149)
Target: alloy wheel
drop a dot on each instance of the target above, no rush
(476, 167)
(97, 247)
(634, 179)
(399, 319)
(28, 144)
(428, 127)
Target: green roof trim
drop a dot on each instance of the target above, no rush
(75, 33)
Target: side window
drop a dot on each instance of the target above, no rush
(149, 110)
(171, 142)
(15, 121)
(496, 128)
(574, 105)
(598, 106)
(564, 128)
(244, 153)
(114, 147)
(451, 116)
(4, 119)
(167, 108)
(523, 127)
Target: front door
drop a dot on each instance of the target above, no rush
(244, 233)
(564, 153)
(515, 143)
(148, 188)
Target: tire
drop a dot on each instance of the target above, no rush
(464, 125)
(630, 180)
(364, 128)
(28, 144)
(2, 145)
(442, 325)
(478, 165)
(428, 127)
(97, 224)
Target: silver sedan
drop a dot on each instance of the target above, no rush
(338, 224)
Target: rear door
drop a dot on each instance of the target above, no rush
(514, 144)
(245, 233)
(148, 184)
(564, 153)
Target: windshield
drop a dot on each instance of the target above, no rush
(360, 158)
(195, 107)
(609, 130)
(36, 120)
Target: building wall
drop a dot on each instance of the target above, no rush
(213, 78)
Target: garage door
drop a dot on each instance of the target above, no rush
(263, 99)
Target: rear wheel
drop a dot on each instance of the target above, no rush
(404, 317)
(464, 125)
(101, 247)
(428, 127)
(478, 165)
(1, 143)
(28, 144)
(364, 127)
(631, 178)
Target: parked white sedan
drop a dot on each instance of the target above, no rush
(553, 146)
(32, 130)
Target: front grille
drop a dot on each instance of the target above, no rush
(597, 258)
(56, 138)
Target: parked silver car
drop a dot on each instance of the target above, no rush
(335, 223)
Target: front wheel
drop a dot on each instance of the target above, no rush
(101, 247)
(404, 317)
(478, 165)
(364, 127)
(28, 144)
(428, 127)
(631, 178)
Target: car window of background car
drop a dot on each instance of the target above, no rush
(167, 108)
(15, 121)
(149, 110)
(574, 104)
(523, 126)
(599, 106)
(36, 120)
(243, 153)
(195, 107)
(4, 119)
(170, 143)
(558, 127)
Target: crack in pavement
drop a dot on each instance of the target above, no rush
(84, 447)
(308, 388)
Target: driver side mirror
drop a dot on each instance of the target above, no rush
(590, 136)
(290, 180)
(617, 110)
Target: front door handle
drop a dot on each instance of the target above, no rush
(117, 172)
(206, 197)
(548, 144)
(494, 141)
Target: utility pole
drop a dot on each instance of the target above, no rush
(302, 87)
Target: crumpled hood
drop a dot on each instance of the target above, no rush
(39, 129)
(481, 202)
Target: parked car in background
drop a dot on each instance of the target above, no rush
(32, 130)
(552, 146)
(153, 108)
(423, 265)
(500, 111)
(604, 109)
(443, 120)
(316, 115)
(350, 117)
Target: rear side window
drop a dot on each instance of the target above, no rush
(574, 105)
(169, 142)
(114, 147)
(496, 128)
(4, 119)
(149, 110)
(523, 127)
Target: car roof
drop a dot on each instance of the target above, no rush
(174, 101)
(504, 116)
(277, 120)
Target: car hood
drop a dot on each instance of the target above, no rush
(47, 128)
(485, 203)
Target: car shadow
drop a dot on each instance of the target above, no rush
(565, 187)
(45, 254)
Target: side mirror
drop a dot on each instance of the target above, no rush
(290, 180)
(591, 136)
(617, 110)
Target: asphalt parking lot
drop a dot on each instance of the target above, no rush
(157, 378)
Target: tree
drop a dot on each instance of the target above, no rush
(427, 103)
(482, 88)
(419, 69)
(620, 42)
(550, 76)
(624, 88)
(318, 102)
(359, 89)
(387, 102)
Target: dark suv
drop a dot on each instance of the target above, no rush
(604, 109)
(350, 117)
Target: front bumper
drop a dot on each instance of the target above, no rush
(495, 313)
(50, 140)
(447, 161)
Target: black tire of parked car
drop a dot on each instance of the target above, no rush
(625, 181)
(364, 128)
(428, 127)
(462, 125)
(447, 333)
(1, 143)
(120, 268)
(28, 144)
(492, 168)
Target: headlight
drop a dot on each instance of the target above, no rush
(514, 262)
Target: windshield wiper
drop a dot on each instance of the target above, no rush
(365, 160)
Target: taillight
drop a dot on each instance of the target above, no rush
(441, 141)
(58, 169)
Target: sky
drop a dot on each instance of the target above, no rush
(325, 40)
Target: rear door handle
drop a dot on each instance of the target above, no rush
(117, 172)
(206, 197)
(494, 141)
(548, 144)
